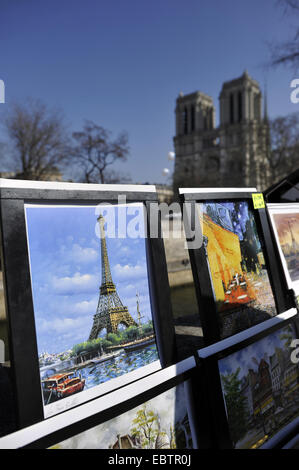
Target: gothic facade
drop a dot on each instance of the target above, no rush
(234, 154)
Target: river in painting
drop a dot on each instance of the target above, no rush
(96, 374)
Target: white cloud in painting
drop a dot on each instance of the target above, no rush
(128, 271)
(85, 307)
(130, 289)
(84, 255)
(61, 325)
(245, 359)
(78, 253)
(78, 283)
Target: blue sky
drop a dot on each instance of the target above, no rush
(66, 271)
(123, 63)
(263, 348)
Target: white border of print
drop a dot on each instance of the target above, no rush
(27, 184)
(98, 390)
(215, 190)
(290, 208)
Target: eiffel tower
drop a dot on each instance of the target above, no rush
(110, 310)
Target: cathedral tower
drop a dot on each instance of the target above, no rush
(195, 137)
(243, 134)
(232, 154)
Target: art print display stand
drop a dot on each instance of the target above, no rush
(156, 414)
(87, 292)
(92, 341)
(284, 191)
(234, 267)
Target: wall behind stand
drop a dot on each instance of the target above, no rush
(188, 331)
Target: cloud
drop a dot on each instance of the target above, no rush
(85, 307)
(61, 325)
(83, 255)
(243, 358)
(77, 253)
(77, 284)
(129, 272)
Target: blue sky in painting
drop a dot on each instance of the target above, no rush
(64, 249)
(263, 348)
(242, 215)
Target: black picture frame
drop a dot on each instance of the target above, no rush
(288, 438)
(17, 280)
(198, 258)
(284, 190)
(213, 397)
(75, 421)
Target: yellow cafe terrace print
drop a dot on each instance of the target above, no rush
(241, 285)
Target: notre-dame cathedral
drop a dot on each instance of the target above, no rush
(234, 154)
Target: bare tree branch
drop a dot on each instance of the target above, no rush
(287, 53)
(95, 152)
(283, 154)
(38, 141)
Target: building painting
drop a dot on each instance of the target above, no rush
(262, 393)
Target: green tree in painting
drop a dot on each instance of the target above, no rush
(131, 333)
(146, 427)
(147, 328)
(92, 347)
(236, 405)
(114, 338)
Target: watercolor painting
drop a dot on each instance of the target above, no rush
(160, 423)
(287, 227)
(260, 385)
(91, 298)
(240, 280)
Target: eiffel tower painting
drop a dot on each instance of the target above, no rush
(110, 311)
